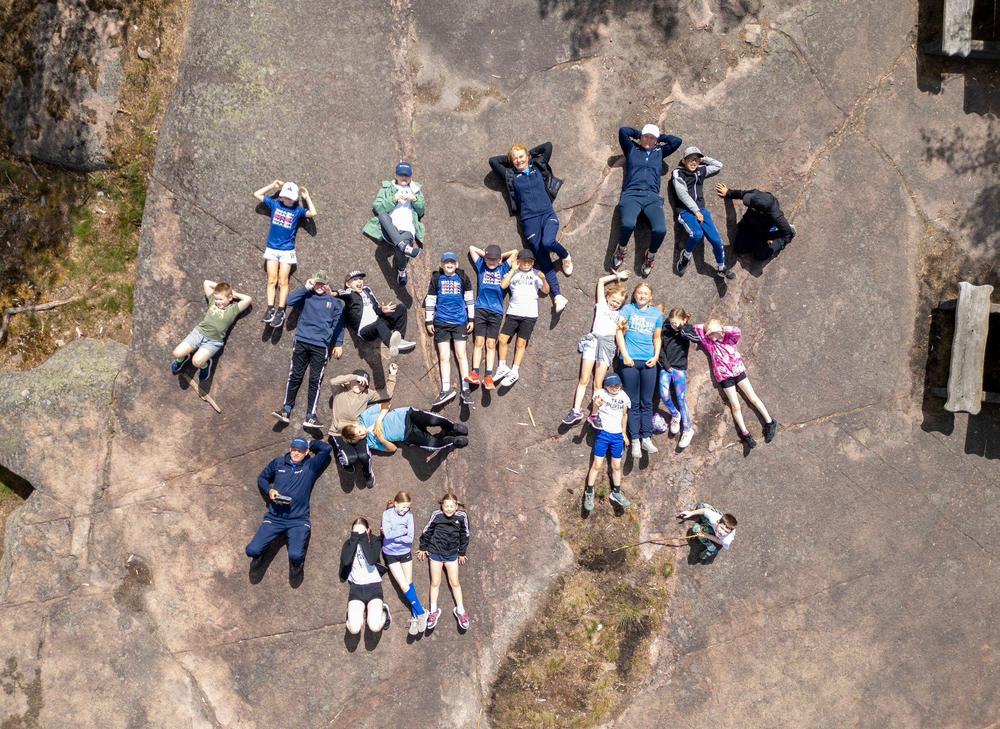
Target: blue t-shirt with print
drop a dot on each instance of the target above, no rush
(285, 224)
(642, 324)
(490, 296)
(394, 425)
(449, 290)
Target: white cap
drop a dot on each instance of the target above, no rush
(651, 129)
(289, 190)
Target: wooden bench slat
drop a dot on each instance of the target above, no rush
(968, 349)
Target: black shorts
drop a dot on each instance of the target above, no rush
(390, 558)
(521, 326)
(365, 593)
(449, 333)
(487, 324)
(731, 381)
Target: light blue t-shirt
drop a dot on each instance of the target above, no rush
(642, 324)
(394, 425)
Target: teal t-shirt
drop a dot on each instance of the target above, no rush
(394, 425)
(642, 325)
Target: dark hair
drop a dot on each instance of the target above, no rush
(680, 313)
(729, 520)
(364, 522)
(449, 496)
(400, 498)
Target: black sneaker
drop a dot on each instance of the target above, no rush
(268, 315)
(370, 480)
(460, 428)
(443, 397)
(205, 372)
(388, 617)
(402, 278)
(770, 430)
(176, 366)
(282, 415)
(294, 570)
(466, 396)
(278, 319)
(311, 423)
(748, 442)
(724, 272)
(682, 264)
(460, 441)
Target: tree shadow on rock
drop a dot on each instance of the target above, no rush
(587, 18)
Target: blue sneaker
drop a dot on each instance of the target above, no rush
(619, 498)
(588, 499)
(176, 366)
(205, 372)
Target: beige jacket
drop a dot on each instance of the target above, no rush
(348, 405)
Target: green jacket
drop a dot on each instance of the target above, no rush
(385, 204)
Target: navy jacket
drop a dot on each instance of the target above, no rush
(539, 158)
(322, 319)
(643, 168)
(296, 481)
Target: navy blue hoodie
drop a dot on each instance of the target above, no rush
(293, 480)
(322, 319)
(643, 168)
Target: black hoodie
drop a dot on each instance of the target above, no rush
(371, 547)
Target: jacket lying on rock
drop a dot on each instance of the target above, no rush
(446, 535)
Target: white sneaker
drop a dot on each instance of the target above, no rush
(394, 339)
(560, 302)
(636, 450)
(647, 445)
(502, 371)
(675, 425)
(510, 379)
(686, 437)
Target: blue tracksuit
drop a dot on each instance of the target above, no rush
(295, 481)
(641, 185)
(322, 319)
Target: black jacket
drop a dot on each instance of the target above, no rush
(354, 306)
(675, 344)
(754, 229)
(371, 547)
(539, 157)
(446, 535)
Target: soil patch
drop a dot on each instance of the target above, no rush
(13, 491)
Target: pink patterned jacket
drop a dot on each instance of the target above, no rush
(726, 361)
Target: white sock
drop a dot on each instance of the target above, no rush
(686, 254)
(501, 364)
(434, 607)
(513, 370)
(445, 384)
(460, 607)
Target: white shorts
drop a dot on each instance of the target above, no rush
(272, 254)
(600, 349)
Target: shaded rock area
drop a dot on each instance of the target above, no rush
(61, 106)
(858, 505)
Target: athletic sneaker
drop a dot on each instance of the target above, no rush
(459, 428)
(512, 377)
(682, 264)
(466, 396)
(595, 421)
(294, 569)
(474, 378)
(501, 372)
(278, 319)
(770, 430)
(461, 441)
(573, 416)
(443, 397)
(406, 345)
(394, 339)
(619, 498)
(675, 425)
(560, 302)
(462, 618)
(686, 437)
(647, 264)
(647, 445)
(402, 278)
(488, 383)
(567, 266)
(618, 258)
(311, 423)
(412, 251)
(370, 479)
(723, 272)
(176, 367)
(414, 626)
(748, 441)
(268, 315)
(422, 621)
(282, 415)
(636, 449)
(588, 499)
(432, 619)
(388, 616)
(205, 372)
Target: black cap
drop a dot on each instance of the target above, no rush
(493, 252)
(354, 274)
(525, 255)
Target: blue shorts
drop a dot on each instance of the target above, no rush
(605, 441)
(445, 558)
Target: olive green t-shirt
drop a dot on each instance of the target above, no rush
(217, 321)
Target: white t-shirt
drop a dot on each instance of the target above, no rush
(402, 214)
(611, 410)
(369, 314)
(524, 288)
(363, 573)
(605, 320)
(714, 517)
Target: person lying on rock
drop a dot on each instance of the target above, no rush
(612, 416)
(531, 188)
(445, 540)
(763, 231)
(287, 483)
(644, 153)
(524, 283)
(361, 569)
(715, 530)
(491, 266)
(286, 217)
(689, 186)
(208, 338)
(387, 429)
(448, 312)
(372, 320)
(352, 396)
(399, 206)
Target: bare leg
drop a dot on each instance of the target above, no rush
(398, 571)
(283, 271)
(491, 353)
(444, 363)
(182, 350)
(355, 616)
(504, 342)
(272, 281)
(456, 589)
(436, 568)
(477, 353)
(747, 389)
(734, 406)
(201, 357)
(616, 472)
(586, 369)
(463, 359)
(595, 470)
(376, 615)
(522, 345)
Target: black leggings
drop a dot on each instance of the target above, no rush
(350, 455)
(383, 327)
(417, 423)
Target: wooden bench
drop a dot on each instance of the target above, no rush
(968, 349)
(956, 34)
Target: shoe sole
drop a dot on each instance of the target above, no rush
(281, 419)
(394, 340)
(442, 400)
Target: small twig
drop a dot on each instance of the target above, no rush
(9, 313)
(531, 418)
(657, 541)
(512, 470)
(35, 173)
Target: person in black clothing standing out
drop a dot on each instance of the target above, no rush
(763, 231)
(676, 336)
(531, 188)
(372, 320)
(445, 540)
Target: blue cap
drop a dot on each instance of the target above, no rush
(449, 256)
(612, 381)
(301, 444)
(404, 169)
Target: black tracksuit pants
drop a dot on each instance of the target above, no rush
(385, 325)
(350, 455)
(417, 423)
(315, 358)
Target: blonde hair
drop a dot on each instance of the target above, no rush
(712, 326)
(353, 432)
(680, 313)
(223, 289)
(643, 285)
(516, 148)
(401, 497)
(615, 288)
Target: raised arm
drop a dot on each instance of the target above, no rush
(243, 301)
(476, 253)
(307, 199)
(209, 287)
(505, 283)
(731, 335)
(509, 255)
(669, 144)
(500, 164)
(298, 297)
(543, 150)
(712, 166)
(267, 190)
(604, 281)
(322, 454)
(625, 137)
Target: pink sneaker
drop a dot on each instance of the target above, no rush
(595, 422)
(463, 619)
(432, 619)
